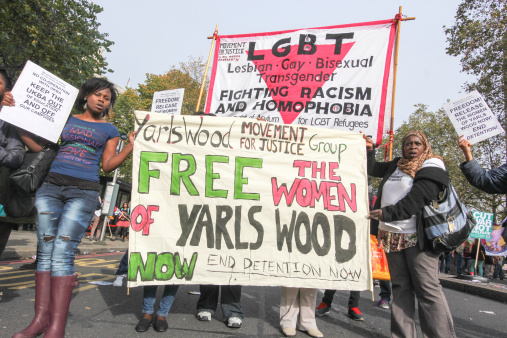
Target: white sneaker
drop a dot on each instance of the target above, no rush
(234, 322)
(119, 281)
(204, 316)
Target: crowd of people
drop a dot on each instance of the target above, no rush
(67, 201)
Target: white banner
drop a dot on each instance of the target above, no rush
(471, 117)
(245, 202)
(332, 77)
(168, 101)
(43, 103)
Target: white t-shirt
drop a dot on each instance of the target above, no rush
(396, 187)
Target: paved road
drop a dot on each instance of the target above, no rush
(105, 311)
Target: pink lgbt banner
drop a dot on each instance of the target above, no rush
(337, 77)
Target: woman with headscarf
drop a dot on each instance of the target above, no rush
(408, 184)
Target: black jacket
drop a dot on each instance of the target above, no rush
(428, 183)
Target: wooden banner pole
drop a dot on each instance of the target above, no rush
(396, 47)
(214, 37)
(477, 257)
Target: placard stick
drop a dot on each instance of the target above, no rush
(477, 255)
(214, 37)
(399, 18)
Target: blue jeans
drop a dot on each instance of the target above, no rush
(479, 267)
(63, 214)
(385, 290)
(124, 265)
(459, 264)
(150, 295)
(499, 271)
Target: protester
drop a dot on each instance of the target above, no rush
(480, 258)
(459, 262)
(95, 230)
(325, 306)
(499, 261)
(492, 181)
(149, 297)
(294, 302)
(122, 271)
(488, 264)
(123, 223)
(230, 297)
(66, 201)
(408, 184)
(467, 255)
(12, 152)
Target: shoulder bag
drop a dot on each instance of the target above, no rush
(35, 167)
(447, 222)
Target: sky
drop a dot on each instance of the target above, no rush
(153, 35)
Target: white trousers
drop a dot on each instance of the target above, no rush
(296, 301)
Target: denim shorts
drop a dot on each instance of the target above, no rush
(63, 215)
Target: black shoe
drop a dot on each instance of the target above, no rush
(29, 266)
(143, 325)
(355, 314)
(160, 324)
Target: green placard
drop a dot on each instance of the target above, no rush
(484, 225)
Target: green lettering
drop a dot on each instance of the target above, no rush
(184, 270)
(145, 270)
(144, 169)
(210, 176)
(240, 181)
(184, 176)
(164, 259)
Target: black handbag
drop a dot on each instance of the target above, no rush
(35, 167)
(447, 222)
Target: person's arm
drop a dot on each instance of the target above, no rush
(111, 160)
(423, 191)
(492, 181)
(11, 156)
(375, 169)
(33, 142)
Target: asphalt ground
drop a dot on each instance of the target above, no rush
(100, 310)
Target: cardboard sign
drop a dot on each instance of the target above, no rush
(168, 101)
(43, 103)
(331, 77)
(221, 200)
(471, 117)
(484, 225)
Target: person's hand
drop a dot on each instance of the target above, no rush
(261, 119)
(466, 148)
(8, 100)
(369, 142)
(132, 137)
(377, 214)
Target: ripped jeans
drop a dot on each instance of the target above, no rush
(63, 214)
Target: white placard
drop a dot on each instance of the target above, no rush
(43, 102)
(471, 116)
(168, 101)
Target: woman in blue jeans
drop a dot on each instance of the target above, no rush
(66, 201)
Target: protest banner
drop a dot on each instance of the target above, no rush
(246, 202)
(337, 77)
(43, 102)
(484, 225)
(471, 117)
(496, 246)
(168, 101)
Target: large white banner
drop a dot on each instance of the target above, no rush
(43, 102)
(332, 77)
(246, 202)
